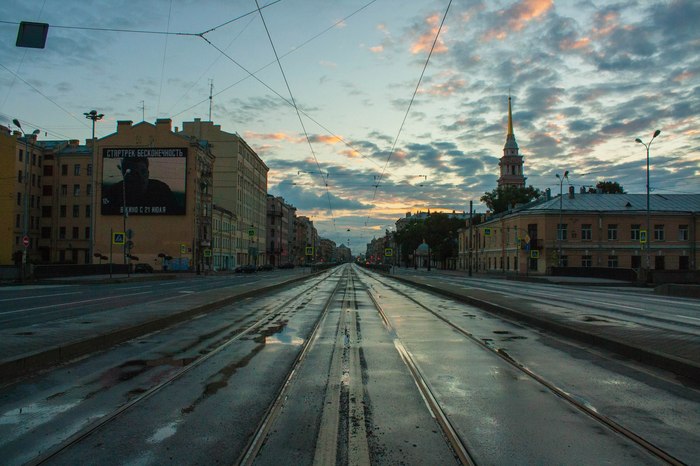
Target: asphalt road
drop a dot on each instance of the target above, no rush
(329, 371)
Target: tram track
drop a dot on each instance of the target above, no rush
(571, 400)
(268, 316)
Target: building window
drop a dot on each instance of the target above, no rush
(76, 190)
(64, 189)
(586, 261)
(17, 220)
(683, 262)
(634, 232)
(659, 234)
(31, 201)
(47, 190)
(76, 169)
(612, 232)
(19, 176)
(89, 169)
(612, 262)
(62, 233)
(76, 211)
(564, 261)
(561, 231)
(46, 211)
(64, 170)
(682, 232)
(636, 262)
(659, 262)
(76, 232)
(63, 211)
(87, 232)
(21, 155)
(46, 232)
(34, 160)
(48, 170)
(33, 179)
(586, 232)
(19, 198)
(88, 189)
(88, 211)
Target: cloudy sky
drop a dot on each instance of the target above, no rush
(379, 107)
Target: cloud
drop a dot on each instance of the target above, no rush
(377, 49)
(425, 41)
(271, 136)
(517, 17)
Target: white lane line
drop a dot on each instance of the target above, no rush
(67, 304)
(41, 296)
(686, 317)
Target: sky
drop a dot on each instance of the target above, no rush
(367, 110)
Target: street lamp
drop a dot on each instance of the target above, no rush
(125, 171)
(94, 116)
(648, 238)
(560, 230)
(25, 205)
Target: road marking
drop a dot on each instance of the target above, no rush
(686, 317)
(67, 304)
(40, 296)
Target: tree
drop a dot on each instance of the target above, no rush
(506, 197)
(439, 230)
(610, 187)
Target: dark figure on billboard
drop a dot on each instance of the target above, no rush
(143, 195)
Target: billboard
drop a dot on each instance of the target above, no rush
(151, 181)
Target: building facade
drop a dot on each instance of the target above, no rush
(154, 194)
(587, 230)
(240, 186)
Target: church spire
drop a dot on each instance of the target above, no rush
(511, 164)
(510, 137)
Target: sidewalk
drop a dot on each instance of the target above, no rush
(672, 351)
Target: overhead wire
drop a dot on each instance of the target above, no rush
(301, 121)
(410, 103)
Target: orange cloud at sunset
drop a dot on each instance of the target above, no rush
(518, 16)
(425, 41)
(270, 136)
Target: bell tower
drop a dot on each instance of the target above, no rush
(511, 164)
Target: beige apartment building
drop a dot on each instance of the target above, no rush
(240, 187)
(586, 230)
(154, 197)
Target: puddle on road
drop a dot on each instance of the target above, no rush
(164, 432)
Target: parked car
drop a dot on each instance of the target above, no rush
(265, 268)
(143, 268)
(287, 265)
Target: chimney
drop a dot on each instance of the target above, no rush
(571, 192)
(123, 124)
(164, 123)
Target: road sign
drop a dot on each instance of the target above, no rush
(388, 252)
(487, 231)
(527, 239)
(534, 254)
(642, 236)
(207, 253)
(25, 241)
(251, 232)
(309, 251)
(183, 249)
(118, 237)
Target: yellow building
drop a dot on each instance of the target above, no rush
(165, 181)
(575, 232)
(240, 186)
(20, 195)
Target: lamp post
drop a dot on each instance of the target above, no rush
(94, 116)
(25, 205)
(125, 213)
(656, 133)
(560, 230)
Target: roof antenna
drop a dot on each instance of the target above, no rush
(211, 90)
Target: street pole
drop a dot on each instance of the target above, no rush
(469, 239)
(560, 230)
(94, 116)
(648, 245)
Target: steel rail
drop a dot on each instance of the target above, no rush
(107, 418)
(590, 411)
